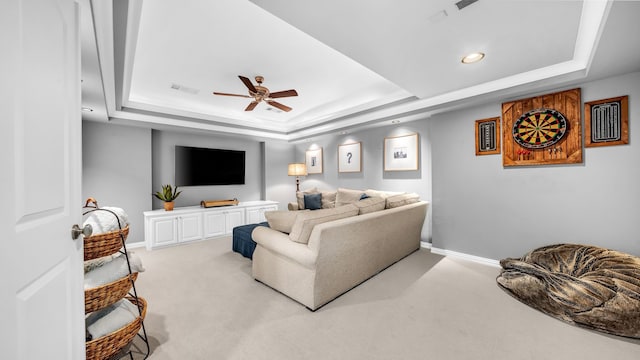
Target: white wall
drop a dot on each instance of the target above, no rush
(483, 209)
(116, 170)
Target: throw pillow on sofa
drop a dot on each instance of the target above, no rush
(282, 220)
(305, 222)
(401, 200)
(313, 201)
(300, 197)
(347, 196)
(328, 199)
(370, 204)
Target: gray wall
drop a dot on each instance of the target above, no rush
(372, 175)
(483, 209)
(477, 206)
(116, 170)
(163, 144)
(278, 185)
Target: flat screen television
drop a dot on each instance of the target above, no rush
(201, 166)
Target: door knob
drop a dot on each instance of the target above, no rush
(87, 230)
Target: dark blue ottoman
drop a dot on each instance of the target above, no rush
(242, 242)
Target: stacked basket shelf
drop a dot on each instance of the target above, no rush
(97, 246)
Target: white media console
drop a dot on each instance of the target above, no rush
(191, 223)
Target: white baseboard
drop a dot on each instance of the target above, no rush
(463, 256)
(135, 245)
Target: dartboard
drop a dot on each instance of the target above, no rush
(540, 128)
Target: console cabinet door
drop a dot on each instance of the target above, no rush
(256, 214)
(190, 227)
(164, 231)
(214, 224)
(233, 218)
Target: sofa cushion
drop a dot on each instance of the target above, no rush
(313, 201)
(305, 222)
(300, 197)
(370, 204)
(328, 199)
(282, 220)
(347, 196)
(383, 194)
(401, 200)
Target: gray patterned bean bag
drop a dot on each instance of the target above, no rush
(584, 285)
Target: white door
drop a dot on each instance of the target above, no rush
(41, 301)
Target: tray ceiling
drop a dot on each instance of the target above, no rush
(353, 64)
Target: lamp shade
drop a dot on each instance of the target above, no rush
(297, 169)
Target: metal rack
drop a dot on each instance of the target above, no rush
(92, 204)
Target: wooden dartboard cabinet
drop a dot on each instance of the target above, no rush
(565, 149)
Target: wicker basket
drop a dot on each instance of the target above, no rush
(100, 245)
(105, 295)
(106, 346)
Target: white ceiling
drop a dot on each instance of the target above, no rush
(353, 63)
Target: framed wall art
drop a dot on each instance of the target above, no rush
(313, 160)
(606, 122)
(488, 136)
(542, 130)
(401, 153)
(349, 157)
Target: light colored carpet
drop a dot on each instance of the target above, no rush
(204, 304)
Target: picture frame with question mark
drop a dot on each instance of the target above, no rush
(350, 157)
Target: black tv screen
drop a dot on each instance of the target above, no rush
(201, 166)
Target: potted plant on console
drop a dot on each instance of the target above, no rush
(168, 195)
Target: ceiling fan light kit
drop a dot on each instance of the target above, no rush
(261, 93)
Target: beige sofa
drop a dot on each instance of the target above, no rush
(339, 254)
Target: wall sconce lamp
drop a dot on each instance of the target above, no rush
(297, 170)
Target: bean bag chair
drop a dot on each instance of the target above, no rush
(587, 286)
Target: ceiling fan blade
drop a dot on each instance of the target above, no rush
(281, 94)
(278, 105)
(226, 94)
(251, 106)
(248, 83)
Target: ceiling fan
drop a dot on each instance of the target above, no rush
(259, 93)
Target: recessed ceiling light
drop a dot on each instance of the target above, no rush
(344, 132)
(395, 121)
(473, 57)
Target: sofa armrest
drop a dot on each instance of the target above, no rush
(292, 206)
(279, 243)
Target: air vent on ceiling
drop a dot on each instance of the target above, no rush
(188, 90)
(439, 16)
(464, 3)
(274, 110)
